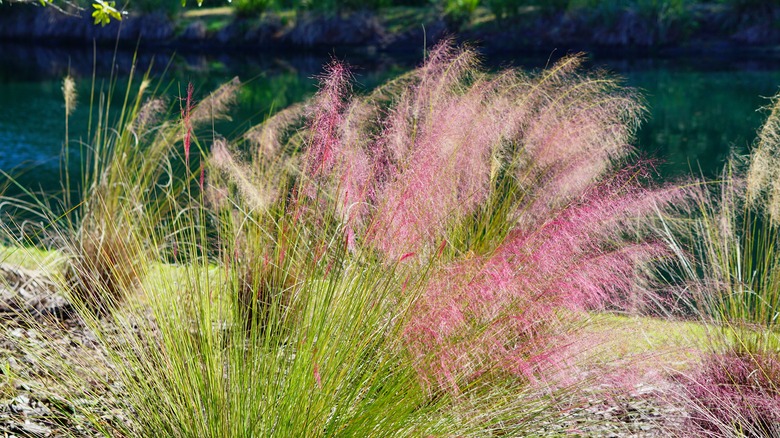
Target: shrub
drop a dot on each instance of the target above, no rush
(659, 13)
(663, 12)
(337, 6)
(503, 8)
(510, 8)
(249, 8)
(751, 6)
(167, 7)
(459, 12)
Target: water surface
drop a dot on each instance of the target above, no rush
(699, 109)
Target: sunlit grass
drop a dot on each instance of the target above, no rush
(431, 258)
(30, 257)
(208, 12)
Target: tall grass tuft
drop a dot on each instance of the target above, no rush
(500, 197)
(409, 262)
(737, 236)
(734, 259)
(107, 232)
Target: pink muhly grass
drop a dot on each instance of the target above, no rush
(473, 319)
(327, 116)
(500, 311)
(451, 130)
(338, 154)
(420, 155)
(412, 165)
(580, 239)
(439, 165)
(735, 394)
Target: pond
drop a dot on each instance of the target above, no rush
(700, 109)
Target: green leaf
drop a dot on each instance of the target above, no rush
(105, 11)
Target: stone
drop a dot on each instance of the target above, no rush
(35, 429)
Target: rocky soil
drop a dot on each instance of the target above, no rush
(641, 412)
(41, 337)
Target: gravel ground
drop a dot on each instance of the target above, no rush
(32, 403)
(642, 412)
(40, 336)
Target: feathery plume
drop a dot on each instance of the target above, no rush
(215, 105)
(268, 136)
(764, 169)
(259, 194)
(148, 115)
(69, 94)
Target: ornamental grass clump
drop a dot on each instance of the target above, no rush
(123, 196)
(736, 241)
(733, 265)
(504, 200)
(736, 393)
(409, 262)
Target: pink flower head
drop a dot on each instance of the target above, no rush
(317, 377)
(327, 118)
(406, 256)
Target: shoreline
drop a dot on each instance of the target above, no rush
(367, 33)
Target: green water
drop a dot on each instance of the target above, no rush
(700, 113)
(699, 109)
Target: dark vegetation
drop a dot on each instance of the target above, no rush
(498, 25)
